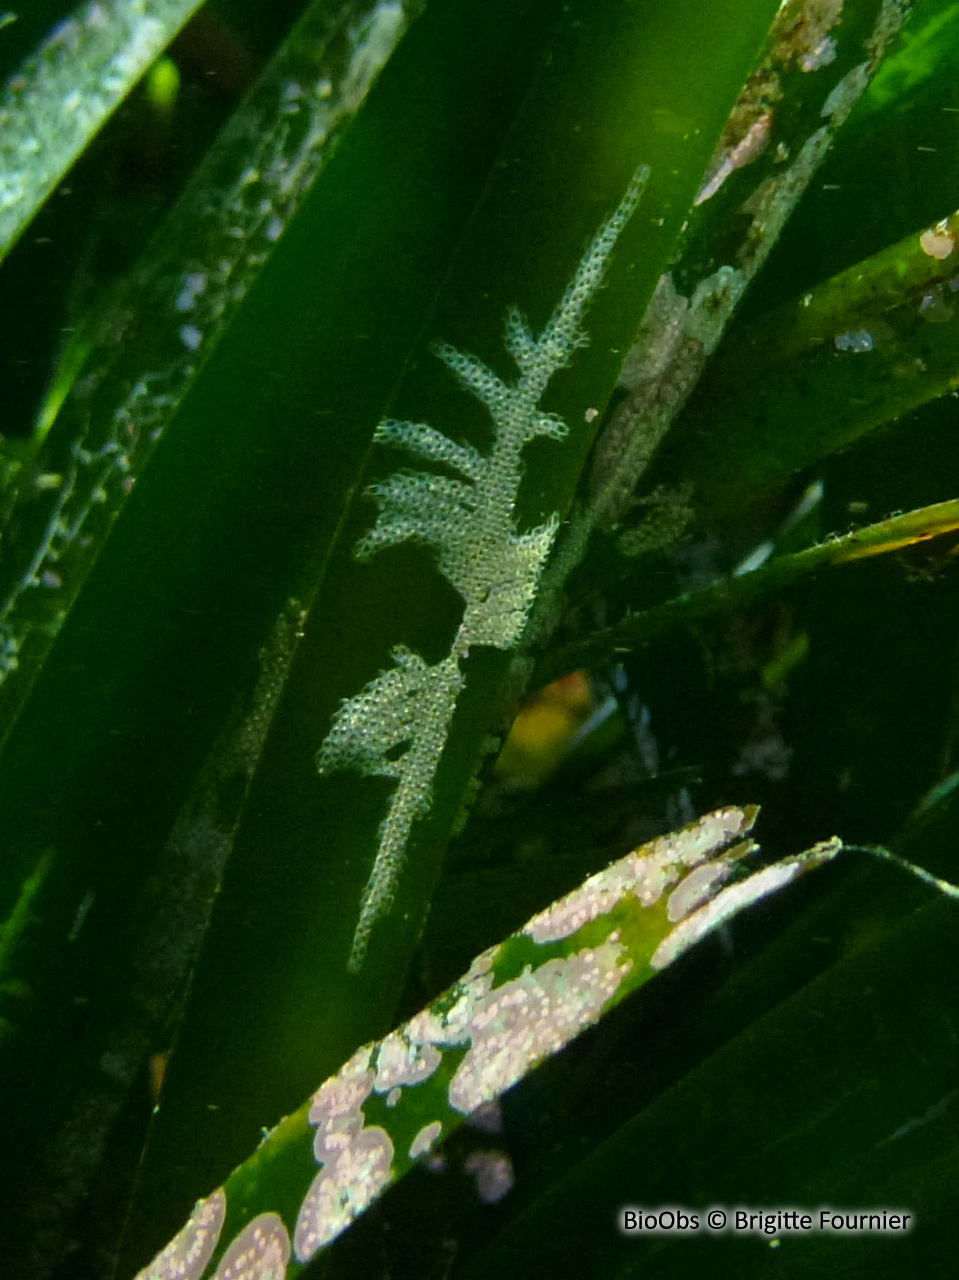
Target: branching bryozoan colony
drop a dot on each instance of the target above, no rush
(467, 518)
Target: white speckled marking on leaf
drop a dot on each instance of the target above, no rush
(515, 1026)
(426, 1139)
(187, 1254)
(469, 521)
(358, 1165)
(645, 873)
(260, 1252)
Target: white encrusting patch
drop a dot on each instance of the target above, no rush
(405, 1057)
(194, 283)
(357, 1161)
(846, 94)
(260, 1252)
(698, 887)
(938, 241)
(524, 1021)
(340, 1098)
(426, 1139)
(736, 898)
(187, 1254)
(468, 520)
(358, 1166)
(821, 56)
(752, 144)
(645, 873)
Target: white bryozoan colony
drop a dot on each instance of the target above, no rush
(467, 518)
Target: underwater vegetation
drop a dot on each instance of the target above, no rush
(459, 460)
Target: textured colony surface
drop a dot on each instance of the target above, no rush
(260, 1252)
(410, 706)
(468, 521)
(646, 873)
(187, 1254)
(519, 1003)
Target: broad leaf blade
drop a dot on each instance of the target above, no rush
(324, 833)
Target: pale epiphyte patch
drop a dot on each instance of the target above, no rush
(738, 153)
(405, 1058)
(187, 1254)
(857, 340)
(260, 1252)
(426, 1139)
(194, 283)
(468, 520)
(938, 241)
(358, 1166)
(493, 1173)
(846, 94)
(357, 1161)
(679, 333)
(736, 897)
(698, 887)
(645, 873)
(515, 1026)
(338, 1101)
(411, 707)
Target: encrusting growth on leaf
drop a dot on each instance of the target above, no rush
(468, 520)
(520, 1002)
(411, 705)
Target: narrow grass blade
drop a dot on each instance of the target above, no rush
(737, 592)
(62, 95)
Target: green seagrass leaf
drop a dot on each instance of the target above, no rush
(848, 357)
(808, 1098)
(179, 679)
(439, 254)
(520, 1003)
(56, 102)
(129, 365)
(743, 589)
